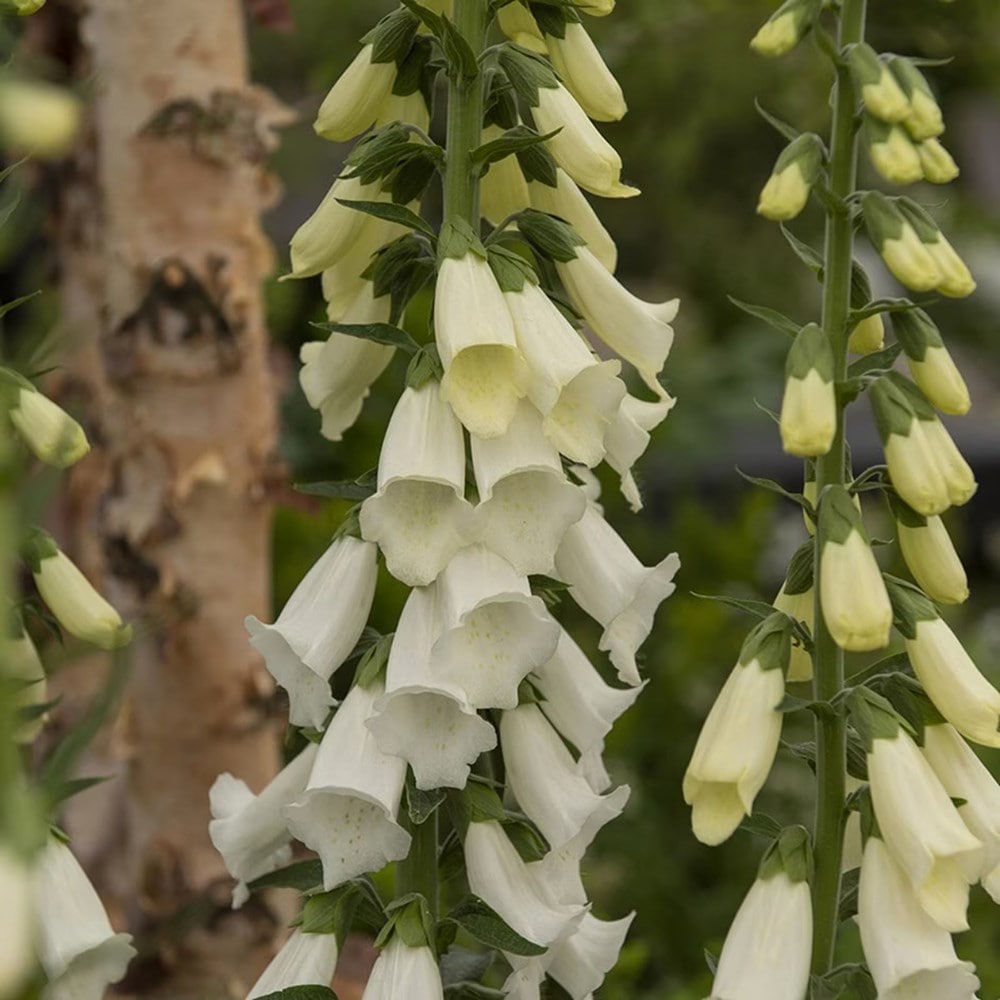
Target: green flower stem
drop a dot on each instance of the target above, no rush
(831, 737)
(418, 872)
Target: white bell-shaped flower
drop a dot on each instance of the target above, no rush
(526, 503)
(613, 587)
(580, 961)
(908, 954)
(17, 922)
(578, 702)
(542, 776)
(628, 438)
(357, 98)
(503, 190)
(964, 776)
(419, 517)
(577, 395)
(304, 960)
(638, 331)
(77, 947)
(402, 971)
(493, 631)
(248, 830)
(47, 429)
(347, 813)
(421, 718)
(484, 372)
(497, 875)
(319, 627)
(568, 202)
(578, 147)
(337, 374)
(578, 62)
(923, 830)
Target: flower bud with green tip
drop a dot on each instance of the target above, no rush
(881, 95)
(46, 428)
(924, 119)
(739, 739)
(768, 947)
(936, 162)
(926, 468)
(952, 681)
(892, 152)
(956, 281)
(809, 407)
(929, 553)
(930, 363)
(852, 595)
(898, 244)
(797, 599)
(784, 29)
(795, 172)
(868, 335)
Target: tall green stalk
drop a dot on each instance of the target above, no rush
(831, 469)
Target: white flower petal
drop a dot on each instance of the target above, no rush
(628, 438)
(402, 971)
(304, 960)
(582, 960)
(357, 98)
(578, 62)
(17, 921)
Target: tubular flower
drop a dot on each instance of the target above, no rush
(526, 503)
(809, 406)
(784, 29)
(892, 152)
(924, 119)
(304, 960)
(852, 594)
(577, 395)
(613, 587)
(47, 429)
(585, 74)
(426, 721)
(640, 332)
(357, 98)
(868, 334)
(628, 438)
(318, 627)
(739, 739)
(419, 517)
(484, 372)
(881, 95)
(402, 971)
(796, 171)
(956, 281)
(347, 813)
(797, 599)
(504, 190)
(580, 961)
(896, 240)
(17, 938)
(936, 162)
(930, 364)
(908, 954)
(520, 27)
(410, 109)
(248, 830)
(767, 950)
(929, 554)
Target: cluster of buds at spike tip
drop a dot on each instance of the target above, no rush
(926, 468)
(795, 172)
(930, 363)
(797, 599)
(808, 421)
(929, 554)
(868, 334)
(784, 29)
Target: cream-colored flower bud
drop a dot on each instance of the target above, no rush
(38, 119)
(356, 99)
(517, 23)
(955, 280)
(896, 240)
(924, 120)
(595, 8)
(47, 429)
(585, 74)
(787, 189)
(930, 364)
(868, 336)
(783, 30)
(929, 554)
(797, 599)
(881, 94)
(936, 162)
(809, 406)
(893, 153)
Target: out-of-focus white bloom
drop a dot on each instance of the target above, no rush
(936, 162)
(356, 99)
(567, 201)
(77, 947)
(48, 430)
(503, 189)
(419, 517)
(248, 830)
(628, 438)
(337, 374)
(497, 875)
(17, 922)
(580, 961)
(484, 372)
(964, 776)
(578, 147)
(640, 332)
(542, 776)
(423, 719)
(613, 587)
(580, 67)
(347, 813)
(402, 971)
(38, 119)
(494, 632)
(318, 627)
(20, 662)
(576, 394)
(526, 503)
(907, 953)
(304, 960)
(923, 830)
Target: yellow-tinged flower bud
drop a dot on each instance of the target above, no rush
(595, 8)
(931, 365)
(796, 599)
(795, 172)
(784, 29)
(881, 94)
(356, 99)
(898, 243)
(47, 429)
(892, 152)
(929, 554)
(809, 407)
(38, 119)
(853, 597)
(936, 162)
(924, 119)
(955, 280)
(869, 334)
(521, 28)
(579, 64)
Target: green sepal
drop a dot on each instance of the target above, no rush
(801, 569)
(538, 164)
(330, 912)
(425, 366)
(846, 982)
(373, 662)
(810, 351)
(457, 239)
(864, 807)
(529, 694)
(865, 65)
(879, 307)
(910, 605)
(549, 236)
(878, 362)
(15, 379)
(510, 269)
(377, 333)
(417, 71)
(410, 919)
(838, 516)
(400, 269)
(392, 37)
(513, 141)
(907, 697)
(909, 78)
(877, 131)
(883, 220)
(790, 132)
(552, 18)
(36, 546)
(759, 609)
(527, 839)
(807, 152)
(895, 408)
(387, 151)
(813, 259)
(461, 966)
(916, 332)
(500, 105)
(484, 924)
(769, 643)
(903, 513)
(421, 804)
(390, 212)
(848, 904)
(761, 825)
(350, 526)
(770, 316)
(476, 803)
(913, 395)
(462, 62)
(790, 854)
(873, 717)
(351, 489)
(305, 876)
(310, 992)
(922, 222)
(527, 72)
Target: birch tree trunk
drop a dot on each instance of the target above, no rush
(162, 259)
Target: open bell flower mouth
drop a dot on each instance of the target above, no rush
(248, 830)
(402, 971)
(585, 74)
(419, 517)
(580, 961)
(484, 372)
(907, 953)
(614, 588)
(347, 813)
(304, 960)
(319, 627)
(526, 502)
(356, 100)
(421, 718)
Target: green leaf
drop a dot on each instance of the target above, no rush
(6, 307)
(424, 366)
(379, 333)
(879, 306)
(421, 805)
(305, 876)
(770, 316)
(353, 489)
(390, 212)
(483, 923)
(462, 60)
(513, 141)
(877, 362)
(782, 127)
(759, 609)
(302, 993)
(813, 259)
(772, 487)
(374, 660)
